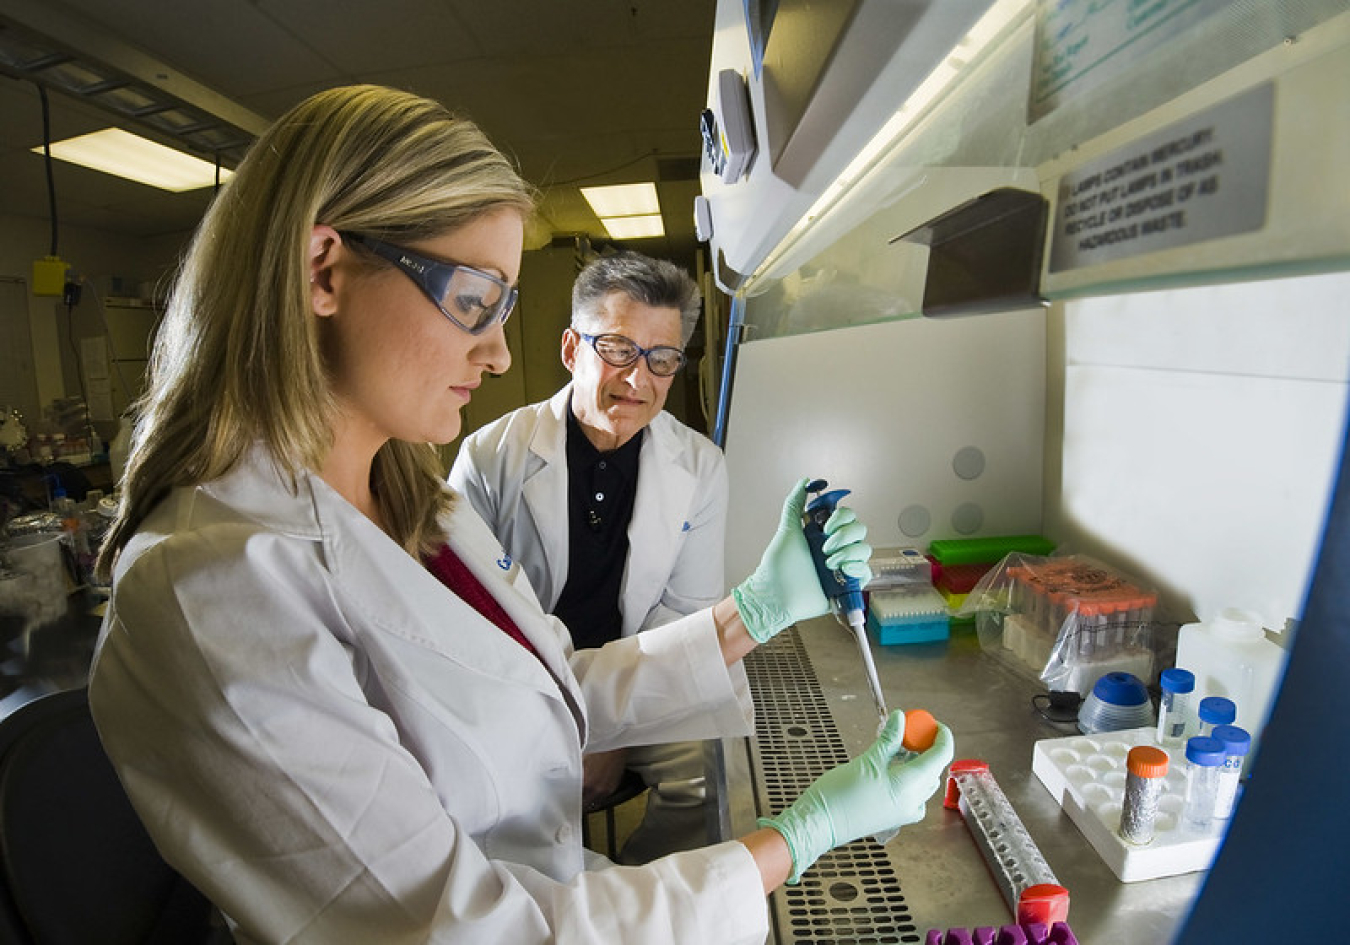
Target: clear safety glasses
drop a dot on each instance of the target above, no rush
(663, 360)
(472, 299)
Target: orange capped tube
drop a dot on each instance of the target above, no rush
(920, 731)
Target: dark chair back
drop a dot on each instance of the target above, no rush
(76, 866)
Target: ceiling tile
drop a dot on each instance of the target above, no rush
(230, 45)
(376, 37)
(577, 91)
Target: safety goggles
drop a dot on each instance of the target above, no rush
(472, 299)
(616, 350)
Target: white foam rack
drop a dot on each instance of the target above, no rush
(1086, 774)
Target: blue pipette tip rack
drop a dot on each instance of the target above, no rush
(913, 614)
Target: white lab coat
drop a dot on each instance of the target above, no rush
(337, 749)
(515, 472)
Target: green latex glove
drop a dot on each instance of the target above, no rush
(872, 794)
(784, 588)
(845, 550)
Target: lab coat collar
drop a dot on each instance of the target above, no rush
(549, 441)
(545, 487)
(261, 490)
(665, 494)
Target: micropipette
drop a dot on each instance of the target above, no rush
(844, 592)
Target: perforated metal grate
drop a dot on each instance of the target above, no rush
(852, 894)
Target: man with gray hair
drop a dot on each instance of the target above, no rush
(615, 509)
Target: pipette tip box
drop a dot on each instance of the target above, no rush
(1086, 774)
(898, 567)
(913, 614)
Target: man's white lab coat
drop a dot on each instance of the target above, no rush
(337, 749)
(515, 472)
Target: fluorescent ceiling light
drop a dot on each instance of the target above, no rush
(622, 200)
(634, 228)
(628, 211)
(121, 153)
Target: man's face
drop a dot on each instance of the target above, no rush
(613, 404)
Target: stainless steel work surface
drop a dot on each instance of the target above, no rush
(814, 710)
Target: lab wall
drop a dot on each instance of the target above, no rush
(1201, 430)
(1188, 436)
(44, 368)
(938, 427)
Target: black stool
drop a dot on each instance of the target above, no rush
(630, 786)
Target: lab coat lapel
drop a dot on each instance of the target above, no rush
(664, 496)
(493, 568)
(400, 596)
(545, 491)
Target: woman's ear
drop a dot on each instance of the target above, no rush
(324, 247)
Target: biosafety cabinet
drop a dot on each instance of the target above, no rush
(1067, 267)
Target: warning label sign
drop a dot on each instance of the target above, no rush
(1200, 179)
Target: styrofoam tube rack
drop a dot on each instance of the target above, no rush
(1086, 774)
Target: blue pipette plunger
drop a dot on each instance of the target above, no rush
(844, 592)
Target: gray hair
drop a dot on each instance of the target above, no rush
(654, 282)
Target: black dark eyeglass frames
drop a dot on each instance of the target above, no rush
(616, 350)
(472, 299)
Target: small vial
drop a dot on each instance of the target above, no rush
(921, 730)
(1204, 757)
(1236, 743)
(1215, 710)
(1146, 767)
(1175, 717)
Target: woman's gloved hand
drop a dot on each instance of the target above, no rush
(784, 587)
(869, 795)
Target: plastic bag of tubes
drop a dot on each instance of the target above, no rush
(1070, 619)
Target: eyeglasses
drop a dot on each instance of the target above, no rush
(663, 360)
(472, 299)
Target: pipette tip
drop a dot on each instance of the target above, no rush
(858, 622)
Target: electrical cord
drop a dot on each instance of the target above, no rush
(611, 170)
(47, 151)
(1057, 706)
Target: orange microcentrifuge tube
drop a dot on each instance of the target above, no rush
(920, 732)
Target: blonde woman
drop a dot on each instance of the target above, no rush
(332, 698)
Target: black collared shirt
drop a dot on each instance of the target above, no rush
(600, 492)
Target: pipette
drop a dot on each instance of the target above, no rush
(844, 592)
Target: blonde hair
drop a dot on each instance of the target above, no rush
(237, 359)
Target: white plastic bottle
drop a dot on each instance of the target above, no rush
(1231, 656)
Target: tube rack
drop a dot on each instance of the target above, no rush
(1086, 774)
(1013, 857)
